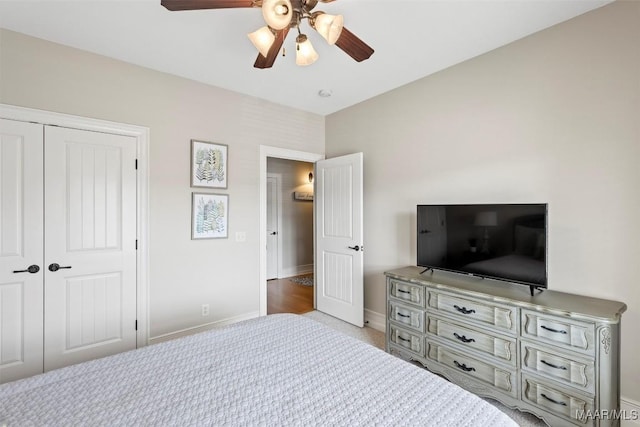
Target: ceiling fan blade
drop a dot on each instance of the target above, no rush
(205, 4)
(353, 46)
(267, 62)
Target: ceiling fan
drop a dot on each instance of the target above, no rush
(280, 16)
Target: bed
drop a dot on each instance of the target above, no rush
(280, 369)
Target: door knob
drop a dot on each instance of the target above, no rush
(55, 267)
(273, 233)
(355, 248)
(33, 269)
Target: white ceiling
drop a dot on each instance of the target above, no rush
(411, 38)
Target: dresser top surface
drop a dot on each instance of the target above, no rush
(513, 293)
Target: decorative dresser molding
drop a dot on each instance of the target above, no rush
(566, 360)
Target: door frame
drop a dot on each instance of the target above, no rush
(141, 135)
(278, 178)
(279, 153)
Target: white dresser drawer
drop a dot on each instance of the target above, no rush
(502, 379)
(503, 349)
(407, 292)
(498, 316)
(567, 333)
(566, 404)
(572, 371)
(408, 340)
(409, 317)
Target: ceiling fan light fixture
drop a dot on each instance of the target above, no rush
(305, 53)
(277, 13)
(329, 26)
(262, 39)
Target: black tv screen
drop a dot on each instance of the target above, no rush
(499, 241)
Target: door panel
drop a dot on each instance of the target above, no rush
(21, 217)
(272, 226)
(338, 283)
(90, 204)
(339, 244)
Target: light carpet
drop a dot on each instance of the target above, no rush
(376, 338)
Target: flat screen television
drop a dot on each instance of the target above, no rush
(498, 241)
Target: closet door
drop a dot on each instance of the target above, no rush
(21, 268)
(90, 238)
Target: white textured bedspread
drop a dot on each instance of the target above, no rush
(271, 371)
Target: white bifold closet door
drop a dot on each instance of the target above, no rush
(68, 206)
(21, 248)
(90, 227)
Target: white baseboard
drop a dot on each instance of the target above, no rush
(296, 271)
(375, 320)
(631, 413)
(202, 328)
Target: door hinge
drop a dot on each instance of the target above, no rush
(136, 244)
(136, 324)
(136, 164)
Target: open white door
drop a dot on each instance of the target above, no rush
(338, 238)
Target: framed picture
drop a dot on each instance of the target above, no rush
(209, 216)
(209, 164)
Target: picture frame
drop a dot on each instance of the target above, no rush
(209, 216)
(209, 164)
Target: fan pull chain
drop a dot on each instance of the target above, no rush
(283, 52)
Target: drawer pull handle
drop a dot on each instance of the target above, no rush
(464, 310)
(553, 401)
(403, 315)
(553, 330)
(463, 338)
(403, 339)
(463, 366)
(564, 368)
(402, 291)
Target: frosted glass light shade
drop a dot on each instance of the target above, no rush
(277, 13)
(305, 53)
(329, 26)
(262, 39)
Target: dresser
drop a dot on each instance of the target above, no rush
(553, 354)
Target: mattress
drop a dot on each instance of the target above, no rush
(280, 369)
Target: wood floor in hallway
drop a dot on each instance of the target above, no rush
(285, 296)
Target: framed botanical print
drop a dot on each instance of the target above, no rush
(209, 164)
(209, 216)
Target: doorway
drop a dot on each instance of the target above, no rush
(289, 236)
(266, 153)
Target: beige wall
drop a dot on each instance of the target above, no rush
(184, 274)
(297, 216)
(555, 118)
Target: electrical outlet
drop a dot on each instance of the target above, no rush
(205, 309)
